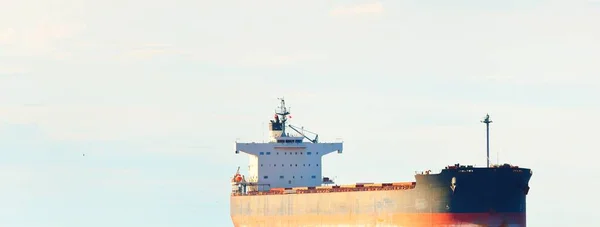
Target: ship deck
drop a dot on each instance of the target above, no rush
(333, 189)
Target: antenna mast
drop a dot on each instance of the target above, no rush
(284, 112)
(487, 122)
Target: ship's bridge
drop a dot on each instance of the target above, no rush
(285, 161)
(285, 165)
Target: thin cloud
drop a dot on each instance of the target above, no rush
(358, 9)
(12, 70)
(39, 39)
(99, 123)
(109, 123)
(146, 51)
(7, 36)
(269, 59)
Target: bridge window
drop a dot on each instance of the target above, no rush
(313, 177)
(280, 177)
(262, 153)
(317, 164)
(266, 177)
(268, 153)
(308, 153)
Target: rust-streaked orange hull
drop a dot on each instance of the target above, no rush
(405, 220)
(482, 197)
(366, 208)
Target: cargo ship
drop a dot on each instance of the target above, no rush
(285, 187)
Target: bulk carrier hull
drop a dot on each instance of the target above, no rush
(284, 188)
(463, 196)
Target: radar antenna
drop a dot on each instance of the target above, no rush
(487, 122)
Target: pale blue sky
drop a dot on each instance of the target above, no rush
(156, 92)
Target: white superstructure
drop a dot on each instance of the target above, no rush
(285, 161)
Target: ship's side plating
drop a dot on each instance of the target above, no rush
(459, 196)
(464, 189)
(284, 189)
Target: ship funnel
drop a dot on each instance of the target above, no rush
(275, 129)
(278, 124)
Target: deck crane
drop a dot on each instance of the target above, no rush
(315, 140)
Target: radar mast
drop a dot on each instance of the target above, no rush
(487, 122)
(284, 112)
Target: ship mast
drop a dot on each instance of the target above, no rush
(284, 112)
(487, 122)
